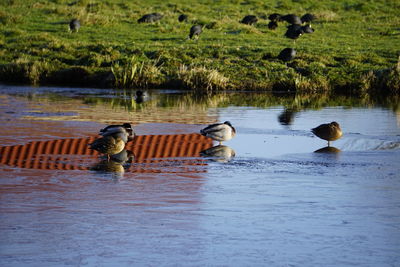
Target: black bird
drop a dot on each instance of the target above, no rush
(140, 97)
(275, 17)
(148, 18)
(294, 31)
(249, 20)
(292, 19)
(307, 29)
(272, 25)
(182, 18)
(74, 25)
(195, 30)
(307, 18)
(287, 54)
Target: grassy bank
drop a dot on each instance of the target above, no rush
(354, 49)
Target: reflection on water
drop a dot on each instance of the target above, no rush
(219, 153)
(287, 116)
(328, 149)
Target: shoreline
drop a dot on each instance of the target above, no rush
(202, 80)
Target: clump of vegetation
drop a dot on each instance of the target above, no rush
(137, 73)
(202, 79)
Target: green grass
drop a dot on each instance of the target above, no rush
(354, 49)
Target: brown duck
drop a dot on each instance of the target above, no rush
(108, 145)
(329, 131)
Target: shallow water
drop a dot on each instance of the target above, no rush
(274, 203)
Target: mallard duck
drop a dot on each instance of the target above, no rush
(124, 131)
(219, 131)
(108, 145)
(329, 131)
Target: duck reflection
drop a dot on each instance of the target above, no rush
(141, 97)
(328, 149)
(123, 157)
(219, 153)
(287, 116)
(116, 165)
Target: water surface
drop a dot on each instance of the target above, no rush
(275, 203)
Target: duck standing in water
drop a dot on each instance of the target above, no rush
(109, 145)
(329, 131)
(219, 131)
(124, 131)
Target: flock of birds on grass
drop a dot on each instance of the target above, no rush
(297, 26)
(115, 137)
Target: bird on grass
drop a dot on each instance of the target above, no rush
(182, 18)
(149, 18)
(249, 20)
(219, 131)
(275, 17)
(124, 131)
(108, 145)
(329, 131)
(195, 30)
(307, 29)
(74, 25)
(291, 19)
(272, 25)
(287, 54)
(307, 18)
(294, 31)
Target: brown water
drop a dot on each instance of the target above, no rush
(274, 203)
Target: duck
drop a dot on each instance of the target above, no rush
(140, 96)
(109, 145)
(182, 17)
(287, 54)
(124, 131)
(219, 131)
(149, 18)
(328, 131)
(249, 20)
(74, 25)
(195, 30)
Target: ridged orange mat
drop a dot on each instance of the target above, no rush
(67, 154)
